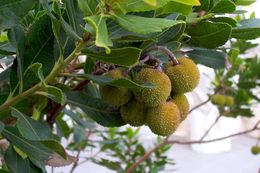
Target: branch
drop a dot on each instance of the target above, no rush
(199, 105)
(166, 141)
(210, 128)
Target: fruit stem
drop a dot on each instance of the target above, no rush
(165, 50)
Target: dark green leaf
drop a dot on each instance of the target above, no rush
(88, 7)
(210, 35)
(95, 109)
(244, 2)
(125, 82)
(127, 56)
(227, 20)
(144, 25)
(210, 58)
(31, 129)
(248, 29)
(224, 6)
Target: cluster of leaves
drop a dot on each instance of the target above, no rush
(41, 40)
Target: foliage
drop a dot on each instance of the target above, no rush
(43, 80)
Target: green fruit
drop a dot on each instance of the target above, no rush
(218, 99)
(133, 113)
(115, 96)
(255, 150)
(229, 101)
(164, 119)
(184, 77)
(154, 96)
(182, 102)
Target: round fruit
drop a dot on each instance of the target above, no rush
(133, 113)
(154, 96)
(116, 96)
(255, 150)
(164, 119)
(184, 77)
(218, 99)
(229, 101)
(182, 102)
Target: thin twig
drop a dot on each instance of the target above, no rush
(166, 141)
(75, 163)
(199, 105)
(210, 128)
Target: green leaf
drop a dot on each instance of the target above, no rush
(248, 29)
(244, 2)
(88, 7)
(144, 25)
(31, 129)
(6, 48)
(1, 126)
(17, 38)
(125, 82)
(127, 56)
(33, 149)
(95, 109)
(100, 27)
(189, 2)
(210, 35)
(227, 20)
(209, 58)
(69, 30)
(178, 7)
(13, 10)
(14, 162)
(4, 171)
(53, 93)
(55, 146)
(89, 66)
(37, 69)
(224, 6)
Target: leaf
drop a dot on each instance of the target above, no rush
(210, 35)
(178, 7)
(6, 48)
(209, 58)
(89, 66)
(69, 30)
(31, 129)
(53, 93)
(17, 38)
(189, 2)
(37, 69)
(14, 162)
(127, 56)
(125, 82)
(223, 6)
(95, 109)
(248, 29)
(88, 7)
(57, 161)
(144, 25)
(55, 146)
(33, 149)
(245, 2)
(227, 20)
(13, 10)
(1, 126)
(100, 27)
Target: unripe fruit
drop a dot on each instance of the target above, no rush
(184, 77)
(255, 150)
(182, 102)
(229, 101)
(154, 96)
(218, 99)
(164, 119)
(115, 96)
(133, 113)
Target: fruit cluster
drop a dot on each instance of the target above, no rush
(162, 107)
(222, 100)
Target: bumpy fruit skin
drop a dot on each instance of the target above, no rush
(183, 104)
(133, 113)
(163, 120)
(184, 77)
(115, 96)
(229, 101)
(218, 99)
(155, 96)
(255, 150)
